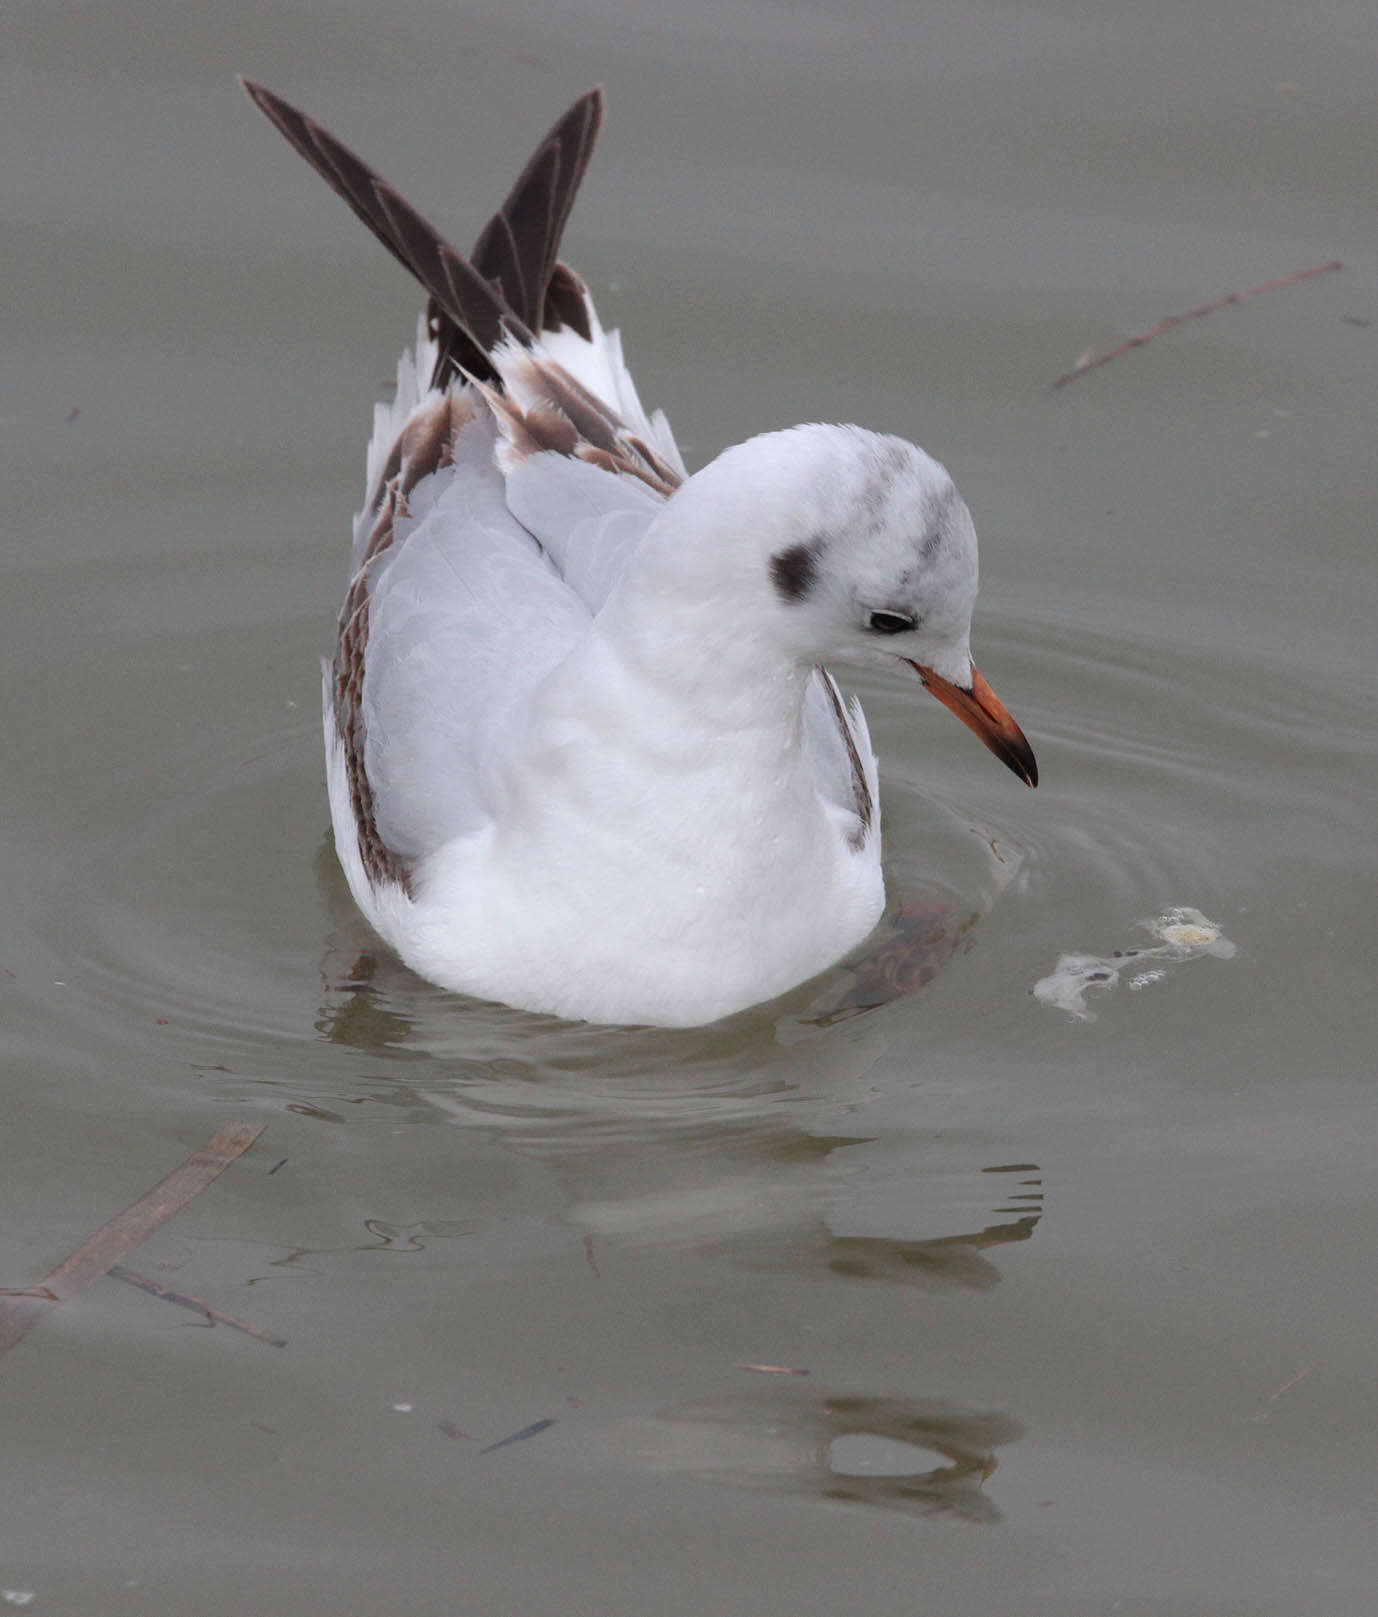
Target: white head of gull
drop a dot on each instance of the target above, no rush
(584, 754)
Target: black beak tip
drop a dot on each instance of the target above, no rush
(1018, 756)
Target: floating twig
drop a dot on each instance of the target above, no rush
(197, 1305)
(772, 1369)
(119, 1236)
(1301, 1375)
(518, 1437)
(1090, 359)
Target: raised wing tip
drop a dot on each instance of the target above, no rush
(255, 92)
(273, 107)
(592, 104)
(593, 99)
(502, 289)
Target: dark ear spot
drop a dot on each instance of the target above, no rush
(793, 572)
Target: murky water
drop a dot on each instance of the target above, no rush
(955, 1303)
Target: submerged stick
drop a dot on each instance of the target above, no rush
(1301, 1375)
(1090, 359)
(117, 1237)
(198, 1305)
(519, 1437)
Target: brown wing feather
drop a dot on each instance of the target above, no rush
(499, 254)
(566, 303)
(576, 134)
(473, 316)
(538, 206)
(518, 249)
(602, 438)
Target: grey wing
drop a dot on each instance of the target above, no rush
(844, 766)
(466, 615)
(588, 519)
(489, 582)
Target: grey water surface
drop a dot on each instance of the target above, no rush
(959, 1304)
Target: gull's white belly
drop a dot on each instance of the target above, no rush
(605, 927)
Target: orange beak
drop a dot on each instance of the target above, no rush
(983, 713)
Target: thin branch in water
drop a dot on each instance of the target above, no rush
(119, 1236)
(1301, 1375)
(1090, 359)
(519, 1437)
(197, 1305)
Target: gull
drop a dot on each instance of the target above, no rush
(583, 751)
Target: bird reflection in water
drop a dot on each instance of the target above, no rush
(850, 1448)
(725, 1143)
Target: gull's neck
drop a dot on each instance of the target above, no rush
(687, 630)
(679, 702)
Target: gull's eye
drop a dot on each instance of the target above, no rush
(890, 623)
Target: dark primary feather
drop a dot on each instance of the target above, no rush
(514, 284)
(524, 235)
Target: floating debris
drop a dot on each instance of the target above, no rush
(1088, 359)
(1183, 934)
(519, 1437)
(120, 1235)
(197, 1305)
